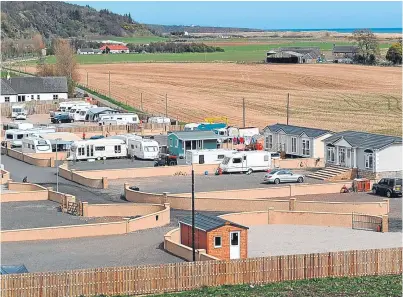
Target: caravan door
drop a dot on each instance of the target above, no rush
(90, 150)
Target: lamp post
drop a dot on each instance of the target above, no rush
(57, 167)
(193, 209)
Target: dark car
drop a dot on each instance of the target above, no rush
(61, 118)
(166, 160)
(388, 186)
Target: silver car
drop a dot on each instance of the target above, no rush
(282, 176)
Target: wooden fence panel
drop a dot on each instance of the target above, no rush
(187, 276)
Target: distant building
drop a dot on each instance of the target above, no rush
(294, 55)
(115, 48)
(186, 33)
(180, 142)
(344, 51)
(24, 89)
(85, 51)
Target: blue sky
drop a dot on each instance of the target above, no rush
(262, 15)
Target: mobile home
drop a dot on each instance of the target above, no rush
(247, 161)
(179, 142)
(15, 136)
(97, 149)
(34, 144)
(119, 119)
(18, 125)
(213, 156)
(146, 149)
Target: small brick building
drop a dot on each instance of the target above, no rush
(220, 238)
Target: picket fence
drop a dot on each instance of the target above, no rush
(186, 276)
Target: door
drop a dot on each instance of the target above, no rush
(201, 159)
(286, 176)
(235, 247)
(342, 156)
(348, 158)
(90, 150)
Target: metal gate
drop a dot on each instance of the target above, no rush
(367, 222)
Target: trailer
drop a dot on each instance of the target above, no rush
(146, 149)
(97, 149)
(119, 119)
(34, 144)
(207, 156)
(246, 161)
(15, 136)
(17, 109)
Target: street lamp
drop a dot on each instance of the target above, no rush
(193, 209)
(57, 166)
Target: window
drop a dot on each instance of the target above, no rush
(177, 143)
(21, 98)
(150, 149)
(331, 154)
(6, 99)
(306, 147)
(237, 160)
(217, 241)
(369, 160)
(55, 97)
(81, 151)
(118, 149)
(234, 238)
(391, 183)
(293, 144)
(171, 141)
(20, 136)
(9, 136)
(32, 97)
(220, 157)
(38, 97)
(269, 142)
(266, 158)
(132, 146)
(99, 148)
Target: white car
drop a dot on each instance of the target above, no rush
(21, 116)
(277, 176)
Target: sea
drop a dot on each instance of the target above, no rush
(344, 30)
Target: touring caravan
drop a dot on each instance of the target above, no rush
(146, 149)
(33, 144)
(119, 119)
(159, 120)
(207, 156)
(78, 113)
(98, 149)
(76, 109)
(17, 109)
(126, 137)
(66, 106)
(15, 136)
(18, 125)
(246, 161)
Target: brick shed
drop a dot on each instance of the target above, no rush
(220, 238)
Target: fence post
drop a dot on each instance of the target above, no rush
(387, 203)
(270, 215)
(104, 183)
(85, 209)
(385, 223)
(164, 197)
(291, 204)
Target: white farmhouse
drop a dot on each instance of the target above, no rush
(24, 89)
(295, 141)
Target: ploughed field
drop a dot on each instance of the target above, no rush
(335, 97)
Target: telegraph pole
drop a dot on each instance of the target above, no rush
(87, 79)
(141, 101)
(193, 215)
(166, 105)
(288, 107)
(109, 84)
(243, 111)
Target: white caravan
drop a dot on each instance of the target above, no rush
(33, 144)
(119, 119)
(92, 149)
(247, 161)
(237, 132)
(146, 149)
(18, 125)
(17, 109)
(76, 108)
(190, 127)
(15, 136)
(66, 106)
(78, 113)
(207, 156)
(159, 120)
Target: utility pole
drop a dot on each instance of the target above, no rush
(193, 215)
(166, 105)
(87, 79)
(57, 166)
(141, 101)
(243, 111)
(109, 84)
(288, 107)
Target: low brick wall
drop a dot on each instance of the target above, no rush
(40, 160)
(99, 183)
(299, 163)
(5, 177)
(24, 192)
(120, 210)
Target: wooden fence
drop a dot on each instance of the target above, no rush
(187, 276)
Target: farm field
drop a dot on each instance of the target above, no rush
(332, 96)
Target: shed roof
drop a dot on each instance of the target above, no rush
(33, 85)
(208, 223)
(297, 130)
(365, 140)
(345, 49)
(196, 135)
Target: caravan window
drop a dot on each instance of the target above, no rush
(237, 160)
(20, 136)
(150, 149)
(220, 157)
(226, 160)
(118, 149)
(9, 136)
(99, 148)
(81, 151)
(132, 146)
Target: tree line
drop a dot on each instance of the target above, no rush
(172, 47)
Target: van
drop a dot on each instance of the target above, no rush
(246, 161)
(146, 149)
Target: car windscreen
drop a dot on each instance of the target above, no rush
(273, 171)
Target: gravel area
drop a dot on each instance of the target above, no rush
(36, 214)
(273, 240)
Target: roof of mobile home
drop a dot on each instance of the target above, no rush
(296, 130)
(195, 135)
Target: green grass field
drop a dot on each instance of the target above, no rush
(4, 74)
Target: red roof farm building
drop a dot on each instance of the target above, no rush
(115, 48)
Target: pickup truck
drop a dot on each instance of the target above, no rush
(62, 117)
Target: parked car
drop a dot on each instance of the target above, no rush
(282, 176)
(389, 187)
(166, 160)
(61, 118)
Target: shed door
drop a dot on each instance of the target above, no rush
(235, 246)
(201, 159)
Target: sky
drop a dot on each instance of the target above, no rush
(261, 15)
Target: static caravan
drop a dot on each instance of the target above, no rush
(204, 126)
(18, 125)
(15, 136)
(66, 106)
(119, 119)
(159, 120)
(17, 109)
(146, 149)
(213, 156)
(92, 149)
(126, 137)
(247, 161)
(33, 144)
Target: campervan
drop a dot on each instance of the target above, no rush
(34, 144)
(17, 109)
(119, 119)
(15, 136)
(92, 149)
(18, 125)
(146, 149)
(207, 156)
(159, 120)
(246, 161)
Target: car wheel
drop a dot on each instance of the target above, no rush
(71, 121)
(276, 181)
(375, 191)
(388, 194)
(250, 170)
(172, 163)
(300, 180)
(59, 121)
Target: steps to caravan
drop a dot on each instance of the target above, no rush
(328, 172)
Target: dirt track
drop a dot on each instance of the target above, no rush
(336, 97)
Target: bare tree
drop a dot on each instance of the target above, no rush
(66, 63)
(368, 46)
(38, 43)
